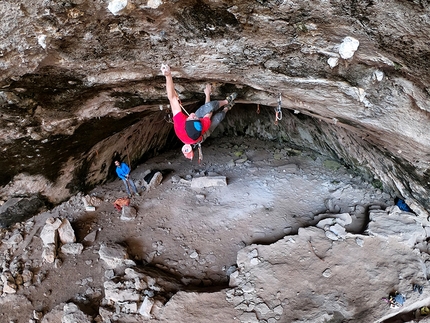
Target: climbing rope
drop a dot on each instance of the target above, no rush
(199, 145)
(180, 104)
(278, 110)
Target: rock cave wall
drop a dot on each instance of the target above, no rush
(80, 83)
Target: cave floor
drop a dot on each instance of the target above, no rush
(195, 234)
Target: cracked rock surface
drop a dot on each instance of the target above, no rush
(287, 239)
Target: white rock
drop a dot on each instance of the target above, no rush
(262, 308)
(85, 201)
(105, 314)
(331, 235)
(115, 6)
(128, 213)
(328, 221)
(208, 181)
(72, 314)
(49, 231)
(249, 317)
(348, 47)
(27, 276)
(155, 180)
(378, 75)
(37, 315)
(333, 61)
(49, 253)
(401, 226)
(14, 240)
(248, 288)
(91, 237)
(278, 310)
(41, 40)
(66, 232)
(254, 262)
(129, 308)
(145, 308)
(115, 256)
(343, 219)
(338, 230)
(116, 293)
(234, 281)
(154, 4)
(9, 286)
(72, 248)
(327, 272)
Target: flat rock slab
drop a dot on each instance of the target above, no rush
(208, 181)
(309, 276)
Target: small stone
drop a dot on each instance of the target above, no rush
(37, 315)
(327, 272)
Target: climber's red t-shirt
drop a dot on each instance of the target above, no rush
(179, 126)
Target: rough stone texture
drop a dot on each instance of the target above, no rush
(208, 181)
(185, 246)
(72, 248)
(19, 209)
(81, 83)
(72, 314)
(66, 232)
(128, 213)
(263, 286)
(115, 256)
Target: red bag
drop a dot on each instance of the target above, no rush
(122, 201)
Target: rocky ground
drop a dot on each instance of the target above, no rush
(255, 233)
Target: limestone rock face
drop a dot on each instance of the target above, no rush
(80, 82)
(267, 286)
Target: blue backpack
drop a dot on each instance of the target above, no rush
(403, 206)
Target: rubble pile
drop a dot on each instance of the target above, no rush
(131, 291)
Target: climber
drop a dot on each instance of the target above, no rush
(123, 172)
(196, 127)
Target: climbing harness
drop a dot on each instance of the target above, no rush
(278, 110)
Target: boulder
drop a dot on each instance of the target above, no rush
(208, 181)
(19, 209)
(115, 256)
(66, 232)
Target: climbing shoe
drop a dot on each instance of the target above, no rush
(229, 106)
(231, 97)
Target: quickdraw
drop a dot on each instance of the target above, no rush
(199, 148)
(258, 109)
(168, 118)
(200, 153)
(278, 110)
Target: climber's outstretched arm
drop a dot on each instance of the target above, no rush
(170, 88)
